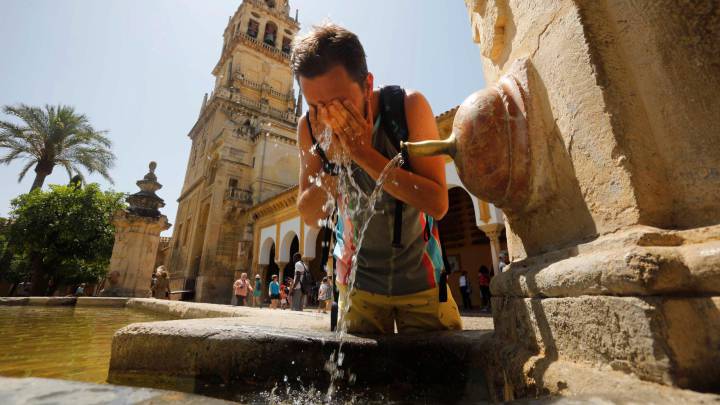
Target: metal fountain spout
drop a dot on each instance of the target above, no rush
(489, 144)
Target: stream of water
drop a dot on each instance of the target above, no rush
(360, 208)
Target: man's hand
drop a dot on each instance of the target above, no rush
(319, 121)
(350, 128)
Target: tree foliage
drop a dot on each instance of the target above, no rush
(51, 136)
(67, 229)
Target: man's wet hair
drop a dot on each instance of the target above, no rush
(326, 46)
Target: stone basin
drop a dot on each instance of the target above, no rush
(226, 352)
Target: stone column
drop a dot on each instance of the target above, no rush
(493, 231)
(281, 272)
(137, 237)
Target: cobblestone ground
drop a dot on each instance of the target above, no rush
(311, 319)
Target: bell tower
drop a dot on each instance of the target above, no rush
(243, 150)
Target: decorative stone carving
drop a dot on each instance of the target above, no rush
(488, 19)
(137, 236)
(145, 203)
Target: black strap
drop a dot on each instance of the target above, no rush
(328, 167)
(392, 101)
(442, 283)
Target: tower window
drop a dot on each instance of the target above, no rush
(286, 45)
(253, 28)
(233, 183)
(270, 33)
(270, 3)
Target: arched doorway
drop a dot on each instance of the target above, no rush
(267, 260)
(293, 247)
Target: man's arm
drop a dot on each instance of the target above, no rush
(312, 199)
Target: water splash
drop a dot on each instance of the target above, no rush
(361, 209)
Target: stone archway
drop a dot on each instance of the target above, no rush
(289, 246)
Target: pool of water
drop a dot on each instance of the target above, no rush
(62, 342)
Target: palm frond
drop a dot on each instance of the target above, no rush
(25, 169)
(56, 134)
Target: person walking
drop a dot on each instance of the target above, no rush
(242, 287)
(484, 281)
(80, 291)
(324, 295)
(257, 292)
(153, 283)
(274, 291)
(465, 290)
(284, 293)
(162, 285)
(300, 284)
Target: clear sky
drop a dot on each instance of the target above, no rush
(139, 68)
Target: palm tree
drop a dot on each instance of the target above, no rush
(54, 136)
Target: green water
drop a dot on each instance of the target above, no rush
(61, 342)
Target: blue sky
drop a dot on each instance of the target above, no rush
(139, 68)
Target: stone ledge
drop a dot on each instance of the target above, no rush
(253, 316)
(577, 384)
(14, 301)
(638, 262)
(46, 391)
(227, 351)
(117, 302)
(52, 301)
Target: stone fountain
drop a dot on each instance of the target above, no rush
(600, 140)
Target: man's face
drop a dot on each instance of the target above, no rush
(335, 84)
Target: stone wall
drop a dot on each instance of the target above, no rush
(616, 255)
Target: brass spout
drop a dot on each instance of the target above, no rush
(431, 148)
(489, 144)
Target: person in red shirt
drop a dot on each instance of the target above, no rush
(484, 278)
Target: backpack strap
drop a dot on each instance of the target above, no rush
(392, 102)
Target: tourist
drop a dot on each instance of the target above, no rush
(484, 281)
(80, 291)
(274, 292)
(396, 283)
(465, 290)
(503, 261)
(324, 295)
(153, 283)
(257, 292)
(162, 286)
(285, 293)
(300, 284)
(242, 287)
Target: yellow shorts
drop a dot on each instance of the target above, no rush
(419, 312)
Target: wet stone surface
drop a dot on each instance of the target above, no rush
(224, 357)
(47, 391)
